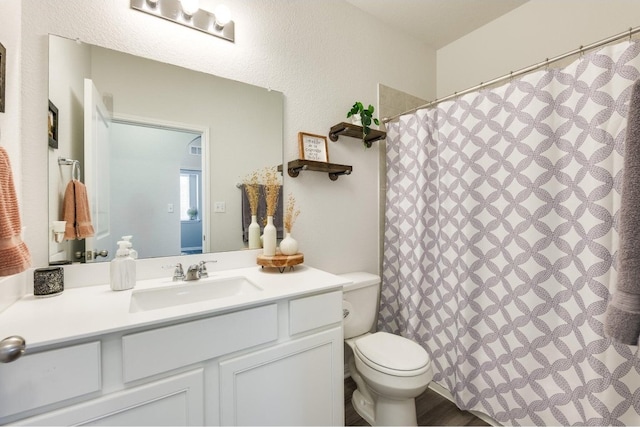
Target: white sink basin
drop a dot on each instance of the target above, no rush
(191, 292)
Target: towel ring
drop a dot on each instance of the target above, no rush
(75, 167)
(75, 170)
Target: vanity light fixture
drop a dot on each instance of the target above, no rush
(188, 13)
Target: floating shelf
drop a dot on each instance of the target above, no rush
(334, 170)
(355, 131)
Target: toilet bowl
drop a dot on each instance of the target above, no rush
(390, 371)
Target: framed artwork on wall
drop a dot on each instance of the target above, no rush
(313, 147)
(3, 75)
(52, 118)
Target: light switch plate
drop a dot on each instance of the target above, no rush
(219, 207)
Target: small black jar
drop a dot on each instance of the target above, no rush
(48, 282)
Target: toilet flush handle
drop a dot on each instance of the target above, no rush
(345, 313)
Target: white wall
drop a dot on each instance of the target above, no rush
(533, 32)
(305, 49)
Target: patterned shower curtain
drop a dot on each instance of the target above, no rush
(501, 238)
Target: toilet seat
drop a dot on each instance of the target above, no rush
(392, 354)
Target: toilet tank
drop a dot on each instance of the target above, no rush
(359, 303)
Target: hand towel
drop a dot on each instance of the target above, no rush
(76, 211)
(622, 322)
(14, 254)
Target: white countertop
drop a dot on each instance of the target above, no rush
(83, 312)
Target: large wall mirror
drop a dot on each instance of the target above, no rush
(161, 150)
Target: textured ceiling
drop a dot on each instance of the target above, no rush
(436, 22)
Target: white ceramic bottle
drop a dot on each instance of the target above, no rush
(122, 271)
(254, 234)
(270, 238)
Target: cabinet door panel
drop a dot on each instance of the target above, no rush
(296, 383)
(48, 377)
(178, 400)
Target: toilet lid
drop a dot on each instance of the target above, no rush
(387, 352)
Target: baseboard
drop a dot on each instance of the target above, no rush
(447, 395)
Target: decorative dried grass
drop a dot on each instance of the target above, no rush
(272, 185)
(291, 213)
(251, 187)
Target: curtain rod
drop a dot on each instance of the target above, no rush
(546, 62)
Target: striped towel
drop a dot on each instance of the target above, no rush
(76, 211)
(14, 254)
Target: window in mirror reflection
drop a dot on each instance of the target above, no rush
(190, 211)
(190, 195)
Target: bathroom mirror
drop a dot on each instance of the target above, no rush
(161, 149)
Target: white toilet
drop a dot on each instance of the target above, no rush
(390, 371)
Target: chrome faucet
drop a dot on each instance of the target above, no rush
(197, 271)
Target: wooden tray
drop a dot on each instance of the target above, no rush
(281, 262)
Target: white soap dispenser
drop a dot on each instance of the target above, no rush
(123, 268)
(132, 252)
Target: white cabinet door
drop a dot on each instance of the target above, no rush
(298, 382)
(174, 401)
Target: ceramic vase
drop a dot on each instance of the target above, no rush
(254, 233)
(356, 119)
(270, 238)
(288, 245)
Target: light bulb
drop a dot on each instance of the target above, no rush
(223, 15)
(189, 7)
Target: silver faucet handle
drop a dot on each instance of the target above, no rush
(203, 268)
(193, 272)
(178, 273)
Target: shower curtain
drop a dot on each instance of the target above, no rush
(500, 243)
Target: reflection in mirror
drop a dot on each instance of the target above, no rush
(159, 146)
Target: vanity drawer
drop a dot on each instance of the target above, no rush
(39, 379)
(163, 349)
(314, 312)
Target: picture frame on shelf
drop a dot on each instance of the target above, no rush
(3, 75)
(52, 119)
(313, 147)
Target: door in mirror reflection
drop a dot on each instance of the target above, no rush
(147, 168)
(97, 147)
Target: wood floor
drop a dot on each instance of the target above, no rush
(432, 410)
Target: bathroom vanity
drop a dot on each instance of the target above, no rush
(271, 356)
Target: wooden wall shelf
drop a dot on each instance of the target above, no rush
(355, 131)
(334, 170)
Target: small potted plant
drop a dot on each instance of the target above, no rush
(193, 213)
(366, 118)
